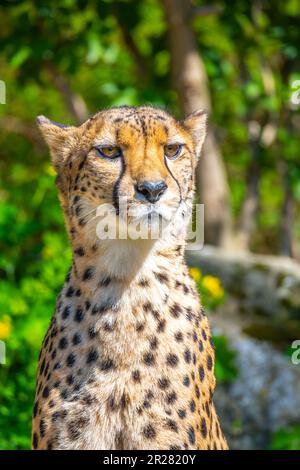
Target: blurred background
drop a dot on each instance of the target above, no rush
(241, 61)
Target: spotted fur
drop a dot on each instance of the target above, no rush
(127, 362)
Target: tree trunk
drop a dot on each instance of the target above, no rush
(286, 247)
(286, 237)
(261, 130)
(288, 244)
(190, 80)
(247, 220)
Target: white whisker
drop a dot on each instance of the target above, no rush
(90, 212)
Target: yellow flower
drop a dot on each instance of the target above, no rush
(196, 274)
(213, 285)
(50, 170)
(5, 327)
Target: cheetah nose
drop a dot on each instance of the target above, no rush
(151, 190)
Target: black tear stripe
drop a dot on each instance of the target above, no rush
(174, 178)
(115, 194)
(72, 177)
(81, 164)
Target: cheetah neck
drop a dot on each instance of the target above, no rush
(124, 262)
(118, 274)
(123, 273)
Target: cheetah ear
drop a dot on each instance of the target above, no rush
(196, 123)
(60, 139)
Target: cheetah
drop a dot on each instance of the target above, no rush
(127, 362)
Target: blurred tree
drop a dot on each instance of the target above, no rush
(190, 81)
(261, 129)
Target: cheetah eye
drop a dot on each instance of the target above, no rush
(173, 151)
(108, 151)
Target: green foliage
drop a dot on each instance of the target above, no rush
(36, 257)
(109, 53)
(225, 366)
(286, 439)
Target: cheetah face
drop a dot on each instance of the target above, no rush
(139, 161)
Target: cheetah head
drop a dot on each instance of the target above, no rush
(138, 161)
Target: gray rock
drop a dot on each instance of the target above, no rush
(267, 285)
(264, 398)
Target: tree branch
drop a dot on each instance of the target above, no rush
(15, 125)
(206, 10)
(141, 65)
(74, 102)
